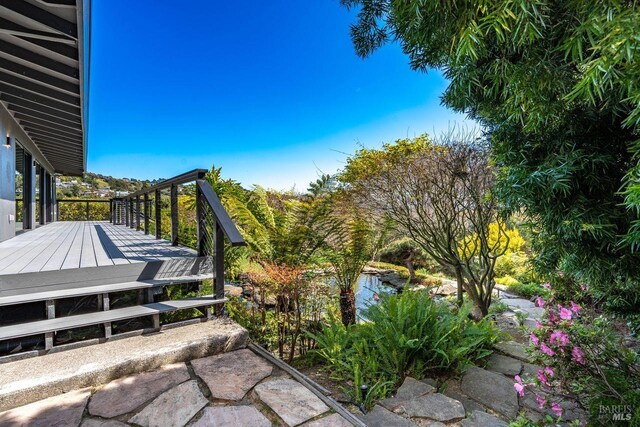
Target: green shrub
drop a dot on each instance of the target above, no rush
(406, 334)
(399, 252)
(527, 290)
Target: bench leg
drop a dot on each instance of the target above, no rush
(156, 321)
(51, 314)
(105, 305)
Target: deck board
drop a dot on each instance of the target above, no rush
(78, 244)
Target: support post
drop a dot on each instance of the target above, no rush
(158, 212)
(48, 191)
(174, 215)
(104, 305)
(57, 210)
(42, 202)
(146, 213)
(130, 203)
(219, 268)
(51, 314)
(200, 223)
(138, 213)
(29, 193)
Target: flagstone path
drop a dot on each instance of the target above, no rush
(238, 388)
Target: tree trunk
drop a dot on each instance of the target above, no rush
(412, 271)
(348, 306)
(460, 283)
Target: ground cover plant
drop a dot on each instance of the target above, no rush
(404, 335)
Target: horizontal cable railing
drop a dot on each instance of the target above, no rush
(143, 210)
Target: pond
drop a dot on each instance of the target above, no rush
(368, 287)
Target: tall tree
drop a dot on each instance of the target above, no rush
(441, 196)
(557, 85)
(352, 243)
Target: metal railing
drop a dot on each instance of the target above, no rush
(83, 211)
(213, 223)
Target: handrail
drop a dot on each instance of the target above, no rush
(176, 180)
(224, 220)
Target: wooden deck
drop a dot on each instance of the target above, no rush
(78, 244)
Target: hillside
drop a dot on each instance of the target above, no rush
(93, 185)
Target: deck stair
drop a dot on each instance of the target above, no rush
(103, 258)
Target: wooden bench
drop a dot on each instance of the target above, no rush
(49, 326)
(44, 293)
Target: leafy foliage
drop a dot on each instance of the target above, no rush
(406, 334)
(556, 85)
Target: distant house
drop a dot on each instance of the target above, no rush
(44, 76)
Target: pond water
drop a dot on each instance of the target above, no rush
(368, 287)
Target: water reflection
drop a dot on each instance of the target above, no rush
(369, 288)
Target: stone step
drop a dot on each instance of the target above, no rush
(59, 372)
(70, 322)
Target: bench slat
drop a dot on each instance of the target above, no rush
(97, 289)
(70, 322)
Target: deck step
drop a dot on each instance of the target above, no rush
(43, 294)
(70, 322)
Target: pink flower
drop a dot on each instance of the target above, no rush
(560, 338)
(540, 302)
(575, 307)
(546, 285)
(546, 350)
(541, 401)
(583, 287)
(376, 297)
(565, 313)
(519, 386)
(557, 409)
(549, 371)
(534, 339)
(543, 378)
(538, 325)
(560, 274)
(553, 318)
(578, 355)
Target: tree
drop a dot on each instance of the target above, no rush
(557, 86)
(352, 243)
(408, 252)
(440, 194)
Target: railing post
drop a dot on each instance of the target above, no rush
(57, 210)
(174, 214)
(87, 210)
(146, 213)
(111, 210)
(130, 213)
(126, 211)
(219, 268)
(138, 213)
(200, 223)
(158, 212)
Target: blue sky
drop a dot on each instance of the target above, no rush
(271, 91)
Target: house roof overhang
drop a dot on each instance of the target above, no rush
(44, 76)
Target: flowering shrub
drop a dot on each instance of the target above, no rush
(581, 354)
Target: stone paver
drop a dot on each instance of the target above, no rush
(411, 388)
(380, 417)
(95, 422)
(126, 394)
(504, 364)
(470, 405)
(482, 419)
(230, 376)
(513, 349)
(333, 420)
(224, 416)
(493, 390)
(437, 407)
(518, 303)
(293, 402)
(172, 408)
(60, 411)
